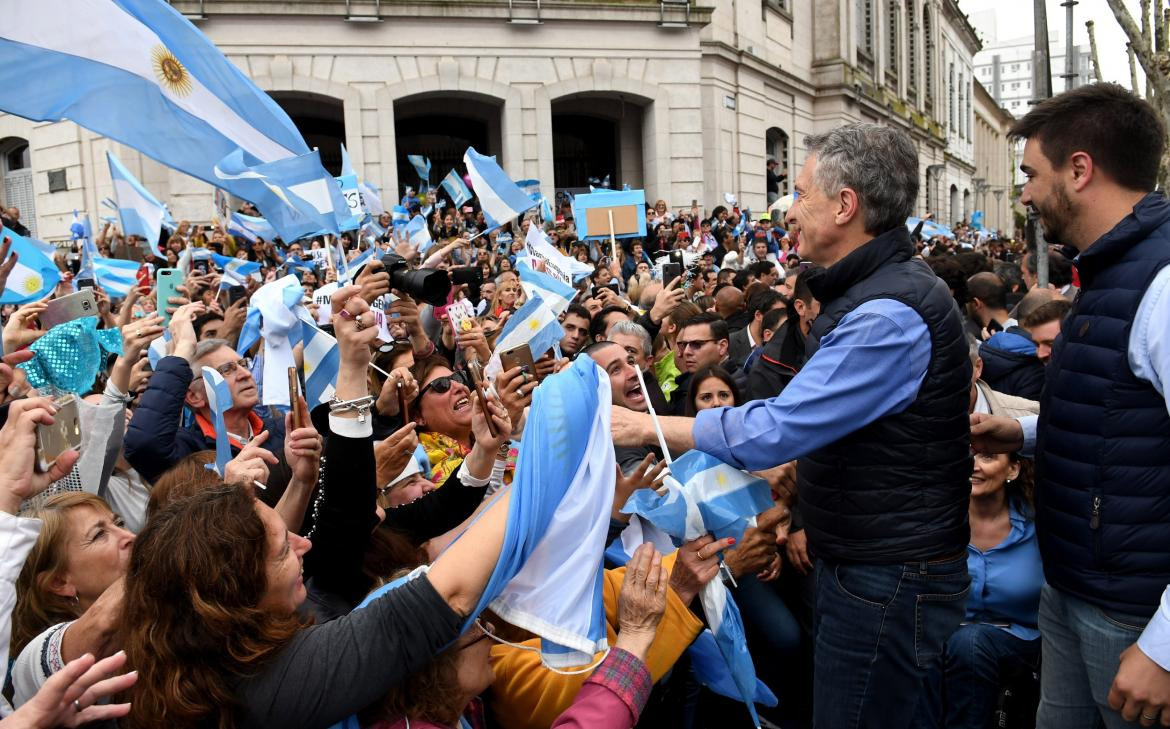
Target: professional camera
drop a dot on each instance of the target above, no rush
(429, 284)
(470, 275)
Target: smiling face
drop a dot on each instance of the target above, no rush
(285, 564)
(1047, 192)
(445, 412)
(990, 473)
(623, 376)
(245, 395)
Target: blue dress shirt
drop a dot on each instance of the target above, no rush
(1006, 580)
(870, 366)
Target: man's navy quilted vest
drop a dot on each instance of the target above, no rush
(898, 489)
(1103, 441)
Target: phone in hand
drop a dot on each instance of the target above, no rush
(69, 307)
(294, 398)
(670, 271)
(85, 283)
(474, 369)
(169, 280)
(520, 356)
(64, 434)
(235, 293)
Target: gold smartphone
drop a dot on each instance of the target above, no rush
(294, 398)
(64, 434)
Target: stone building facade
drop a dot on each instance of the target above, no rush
(686, 100)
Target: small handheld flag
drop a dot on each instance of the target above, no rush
(219, 401)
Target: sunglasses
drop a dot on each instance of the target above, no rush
(440, 385)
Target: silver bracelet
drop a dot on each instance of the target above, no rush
(361, 405)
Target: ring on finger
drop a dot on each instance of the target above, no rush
(77, 705)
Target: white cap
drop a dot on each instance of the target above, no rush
(410, 469)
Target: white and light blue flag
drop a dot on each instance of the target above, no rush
(251, 228)
(561, 267)
(422, 166)
(705, 495)
(322, 359)
(456, 188)
(533, 324)
(164, 89)
(219, 401)
(140, 212)
(117, 276)
(355, 266)
(347, 183)
(34, 275)
(371, 198)
(556, 293)
(235, 270)
(275, 312)
(500, 199)
(419, 233)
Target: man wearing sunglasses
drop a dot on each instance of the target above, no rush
(703, 341)
(156, 439)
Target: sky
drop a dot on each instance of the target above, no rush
(1111, 39)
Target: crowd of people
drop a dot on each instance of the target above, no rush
(969, 472)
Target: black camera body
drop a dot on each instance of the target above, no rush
(428, 284)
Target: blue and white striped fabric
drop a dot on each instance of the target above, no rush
(83, 231)
(116, 276)
(422, 166)
(548, 579)
(556, 293)
(419, 234)
(705, 496)
(355, 266)
(235, 270)
(347, 182)
(276, 313)
(322, 359)
(34, 276)
(500, 199)
(371, 198)
(158, 349)
(219, 401)
(140, 212)
(456, 188)
(399, 217)
(174, 96)
(556, 264)
(531, 187)
(533, 324)
(251, 228)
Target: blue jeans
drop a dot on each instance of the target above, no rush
(1081, 649)
(977, 660)
(879, 629)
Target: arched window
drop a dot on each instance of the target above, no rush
(776, 142)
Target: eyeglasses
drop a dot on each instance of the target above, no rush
(695, 344)
(229, 369)
(440, 385)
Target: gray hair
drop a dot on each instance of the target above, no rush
(202, 349)
(877, 162)
(639, 331)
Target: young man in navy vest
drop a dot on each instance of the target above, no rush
(878, 420)
(1102, 442)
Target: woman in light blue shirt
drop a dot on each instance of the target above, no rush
(999, 637)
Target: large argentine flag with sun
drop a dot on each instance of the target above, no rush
(33, 277)
(140, 73)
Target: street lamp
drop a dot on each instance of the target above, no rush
(932, 171)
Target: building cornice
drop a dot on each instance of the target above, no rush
(754, 62)
(962, 25)
(696, 16)
(984, 98)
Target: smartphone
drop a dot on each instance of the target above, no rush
(169, 280)
(67, 308)
(294, 398)
(670, 271)
(403, 405)
(475, 370)
(520, 356)
(200, 266)
(63, 435)
(85, 283)
(235, 293)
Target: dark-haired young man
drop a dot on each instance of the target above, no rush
(1102, 443)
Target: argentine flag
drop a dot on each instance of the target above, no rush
(455, 187)
(235, 270)
(140, 212)
(419, 233)
(251, 228)
(556, 293)
(164, 89)
(705, 495)
(275, 312)
(116, 276)
(322, 360)
(371, 198)
(219, 401)
(500, 198)
(34, 276)
(533, 324)
(422, 166)
(355, 266)
(548, 579)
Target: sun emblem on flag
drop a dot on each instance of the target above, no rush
(33, 284)
(534, 325)
(170, 72)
